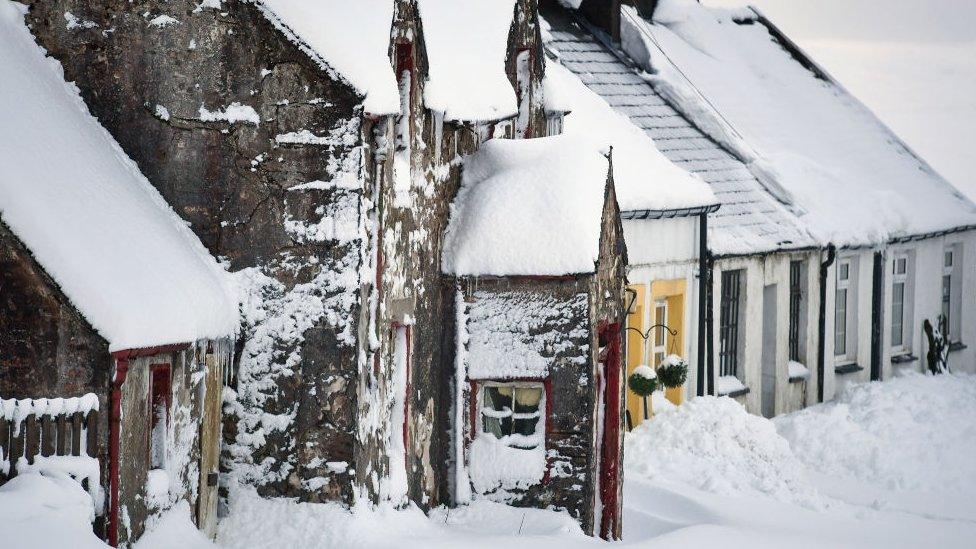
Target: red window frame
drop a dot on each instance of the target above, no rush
(474, 416)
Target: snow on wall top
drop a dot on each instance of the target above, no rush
(813, 145)
(353, 37)
(643, 177)
(467, 43)
(513, 335)
(90, 218)
(527, 207)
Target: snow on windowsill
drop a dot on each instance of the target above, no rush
(797, 371)
(731, 386)
(495, 466)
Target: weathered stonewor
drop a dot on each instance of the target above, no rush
(226, 116)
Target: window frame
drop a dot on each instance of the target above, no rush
(903, 279)
(730, 320)
(951, 306)
(661, 332)
(849, 286)
(796, 309)
(478, 403)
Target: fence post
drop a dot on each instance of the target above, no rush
(76, 434)
(47, 436)
(62, 430)
(91, 426)
(32, 438)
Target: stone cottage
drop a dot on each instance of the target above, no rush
(535, 251)
(116, 324)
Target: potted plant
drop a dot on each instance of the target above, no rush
(643, 382)
(672, 373)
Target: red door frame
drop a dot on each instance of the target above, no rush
(610, 462)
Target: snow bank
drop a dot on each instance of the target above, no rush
(909, 433)
(713, 444)
(814, 146)
(496, 466)
(467, 43)
(174, 528)
(40, 511)
(122, 256)
(258, 523)
(644, 179)
(527, 207)
(352, 37)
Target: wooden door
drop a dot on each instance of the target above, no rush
(210, 446)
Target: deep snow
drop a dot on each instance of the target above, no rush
(886, 465)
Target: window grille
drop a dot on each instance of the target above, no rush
(729, 323)
(796, 297)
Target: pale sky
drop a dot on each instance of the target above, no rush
(913, 62)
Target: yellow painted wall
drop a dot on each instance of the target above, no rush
(640, 317)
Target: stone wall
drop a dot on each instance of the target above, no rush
(226, 115)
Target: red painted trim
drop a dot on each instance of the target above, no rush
(121, 371)
(610, 445)
(150, 351)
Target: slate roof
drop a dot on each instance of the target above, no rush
(750, 220)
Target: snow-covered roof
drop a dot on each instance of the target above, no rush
(815, 147)
(90, 218)
(643, 177)
(750, 219)
(352, 37)
(467, 43)
(527, 207)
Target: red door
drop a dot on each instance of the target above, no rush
(609, 384)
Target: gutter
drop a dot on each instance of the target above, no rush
(669, 213)
(822, 321)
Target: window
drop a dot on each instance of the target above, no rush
(512, 413)
(796, 300)
(159, 402)
(660, 341)
(845, 310)
(952, 291)
(899, 284)
(729, 323)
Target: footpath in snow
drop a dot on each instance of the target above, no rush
(885, 465)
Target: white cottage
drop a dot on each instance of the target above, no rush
(896, 238)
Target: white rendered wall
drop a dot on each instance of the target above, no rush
(759, 272)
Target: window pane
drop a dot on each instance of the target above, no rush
(897, 313)
(948, 259)
(493, 426)
(497, 399)
(843, 272)
(660, 317)
(840, 323)
(527, 399)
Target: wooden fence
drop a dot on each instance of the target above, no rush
(46, 427)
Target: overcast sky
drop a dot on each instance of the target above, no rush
(913, 62)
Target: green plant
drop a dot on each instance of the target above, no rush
(673, 371)
(643, 382)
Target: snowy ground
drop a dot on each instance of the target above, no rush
(888, 464)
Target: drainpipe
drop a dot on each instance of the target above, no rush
(703, 290)
(822, 327)
(710, 323)
(877, 289)
(115, 420)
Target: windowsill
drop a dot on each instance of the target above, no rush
(849, 368)
(957, 346)
(903, 358)
(735, 393)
